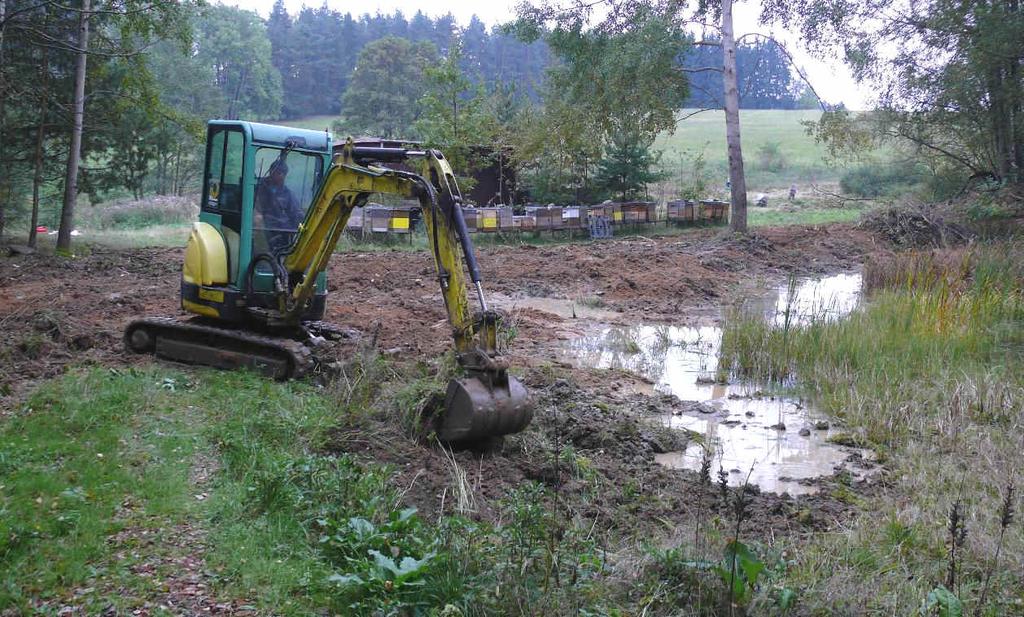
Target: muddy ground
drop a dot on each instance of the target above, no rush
(56, 313)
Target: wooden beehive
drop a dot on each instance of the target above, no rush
(487, 220)
(355, 220)
(681, 211)
(380, 220)
(713, 210)
(505, 218)
(471, 219)
(543, 218)
(616, 213)
(555, 213)
(633, 212)
(574, 218)
(398, 222)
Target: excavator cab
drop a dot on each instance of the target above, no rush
(274, 204)
(241, 222)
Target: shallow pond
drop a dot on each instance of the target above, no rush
(779, 441)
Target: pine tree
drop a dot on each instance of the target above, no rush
(627, 166)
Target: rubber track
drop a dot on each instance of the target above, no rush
(300, 358)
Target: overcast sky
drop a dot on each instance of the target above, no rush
(828, 77)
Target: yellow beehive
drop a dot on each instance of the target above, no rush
(487, 219)
(399, 222)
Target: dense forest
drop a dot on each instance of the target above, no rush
(316, 51)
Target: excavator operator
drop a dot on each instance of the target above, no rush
(277, 206)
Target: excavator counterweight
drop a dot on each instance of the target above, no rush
(274, 204)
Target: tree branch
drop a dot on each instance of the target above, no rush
(792, 62)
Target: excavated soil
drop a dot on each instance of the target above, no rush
(60, 312)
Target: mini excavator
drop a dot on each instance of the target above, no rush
(254, 277)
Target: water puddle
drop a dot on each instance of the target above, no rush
(740, 425)
(779, 442)
(802, 301)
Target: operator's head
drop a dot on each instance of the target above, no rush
(278, 172)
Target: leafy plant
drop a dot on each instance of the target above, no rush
(739, 570)
(387, 564)
(942, 602)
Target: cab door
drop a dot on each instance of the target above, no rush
(223, 188)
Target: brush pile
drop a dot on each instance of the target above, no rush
(916, 227)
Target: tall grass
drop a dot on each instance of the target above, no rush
(930, 372)
(934, 320)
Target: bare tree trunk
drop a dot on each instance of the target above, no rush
(176, 182)
(37, 177)
(67, 213)
(37, 181)
(3, 98)
(737, 181)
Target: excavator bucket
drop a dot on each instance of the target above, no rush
(475, 411)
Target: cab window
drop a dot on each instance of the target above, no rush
(286, 181)
(223, 184)
(303, 172)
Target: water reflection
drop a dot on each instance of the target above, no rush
(778, 441)
(744, 428)
(684, 360)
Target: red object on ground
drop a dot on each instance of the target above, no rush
(41, 229)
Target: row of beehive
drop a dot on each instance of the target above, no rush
(543, 218)
(685, 210)
(380, 220)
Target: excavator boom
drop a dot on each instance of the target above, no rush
(487, 402)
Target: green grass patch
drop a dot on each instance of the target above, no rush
(98, 471)
(761, 217)
(89, 455)
(777, 150)
(314, 123)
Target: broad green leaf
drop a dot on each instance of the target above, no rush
(746, 561)
(345, 579)
(945, 601)
(411, 566)
(384, 563)
(362, 527)
(403, 515)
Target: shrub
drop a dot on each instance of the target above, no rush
(880, 179)
(160, 210)
(770, 156)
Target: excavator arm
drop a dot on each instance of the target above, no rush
(486, 401)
